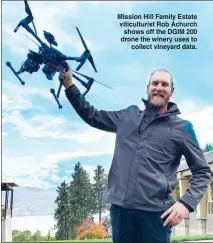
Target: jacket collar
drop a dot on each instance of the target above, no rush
(172, 108)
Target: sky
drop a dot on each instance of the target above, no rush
(41, 143)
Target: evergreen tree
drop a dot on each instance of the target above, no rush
(208, 147)
(80, 198)
(62, 212)
(99, 189)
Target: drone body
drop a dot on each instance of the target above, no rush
(53, 60)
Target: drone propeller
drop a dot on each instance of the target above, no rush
(29, 12)
(27, 8)
(82, 39)
(92, 62)
(87, 52)
(25, 24)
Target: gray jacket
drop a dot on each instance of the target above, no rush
(147, 154)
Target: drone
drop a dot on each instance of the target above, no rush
(54, 61)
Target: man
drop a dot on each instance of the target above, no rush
(149, 146)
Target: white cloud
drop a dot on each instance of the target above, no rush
(201, 117)
(25, 171)
(68, 171)
(53, 158)
(32, 171)
(39, 126)
(45, 18)
(21, 98)
(8, 102)
(55, 178)
(4, 134)
(79, 46)
(16, 42)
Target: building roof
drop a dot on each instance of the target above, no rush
(208, 156)
(7, 185)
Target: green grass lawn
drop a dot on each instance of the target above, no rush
(173, 239)
(192, 238)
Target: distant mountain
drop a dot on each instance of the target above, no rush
(32, 201)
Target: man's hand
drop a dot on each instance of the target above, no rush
(67, 78)
(176, 212)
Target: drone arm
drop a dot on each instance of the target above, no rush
(28, 29)
(80, 65)
(82, 59)
(77, 59)
(25, 24)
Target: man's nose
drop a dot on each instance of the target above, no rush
(159, 87)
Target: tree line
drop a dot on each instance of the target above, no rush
(80, 199)
(26, 235)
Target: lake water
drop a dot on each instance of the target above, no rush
(33, 223)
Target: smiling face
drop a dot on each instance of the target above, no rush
(160, 89)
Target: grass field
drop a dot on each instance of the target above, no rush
(173, 239)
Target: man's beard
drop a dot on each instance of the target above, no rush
(157, 101)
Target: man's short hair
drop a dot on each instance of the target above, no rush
(163, 70)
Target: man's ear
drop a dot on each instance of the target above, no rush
(147, 88)
(172, 91)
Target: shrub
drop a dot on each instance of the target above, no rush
(89, 230)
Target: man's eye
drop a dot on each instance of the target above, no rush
(154, 84)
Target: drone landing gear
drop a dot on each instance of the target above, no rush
(56, 96)
(16, 73)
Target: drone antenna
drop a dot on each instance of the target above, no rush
(103, 84)
(31, 39)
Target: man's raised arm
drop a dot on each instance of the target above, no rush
(104, 120)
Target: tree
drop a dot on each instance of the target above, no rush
(27, 235)
(106, 222)
(208, 147)
(62, 212)
(89, 230)
(80, 196)
(99, 189)
(21, 236)
(36, 236)
(16, 232)
(17, 235)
